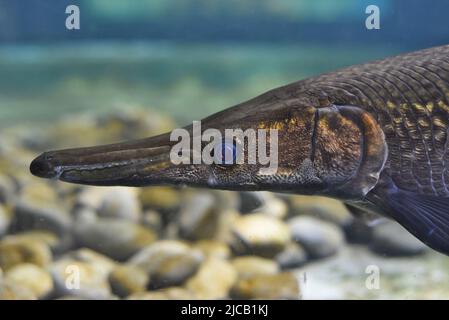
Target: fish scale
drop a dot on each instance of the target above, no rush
(408, 83)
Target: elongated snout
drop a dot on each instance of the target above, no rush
(116, 164)
(43, 167)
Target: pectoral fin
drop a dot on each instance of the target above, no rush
(369, 218)
(426, 217)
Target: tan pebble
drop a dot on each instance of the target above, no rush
(248, 266)
(213, 280)
(279, 286)
(32, 277)
(14, 250)
(173, 293)
(126, 280)
(215, 249)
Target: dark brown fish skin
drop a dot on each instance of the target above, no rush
(408, 97)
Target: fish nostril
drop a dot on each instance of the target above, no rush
(42, 167)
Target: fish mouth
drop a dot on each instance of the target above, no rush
(42, 167)
(128, 163)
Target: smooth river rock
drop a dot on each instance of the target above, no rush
(168, 263)
(250, 201)
(13, 291)
(112, 202)
(172, 293)
(39, 208)
(247, 266)
(4, 220)
(319, 238)
(199, 217)
(116, 238)
(7, 189)
(15, 250)
(259, 234)
(213, 248)
(32, 277)
(213, 280)
(121, 203)
(324, 208)
(267, 286)
(103, 262)
(160, 198)
(126, 280)
(80, 279)
(391, 239)
(293, 256)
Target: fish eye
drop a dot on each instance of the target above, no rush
(225, 153)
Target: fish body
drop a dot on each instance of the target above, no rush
(373, 135)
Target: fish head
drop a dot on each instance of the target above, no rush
(239, 148)
(278, 145)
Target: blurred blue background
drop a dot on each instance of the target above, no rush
(188, 58)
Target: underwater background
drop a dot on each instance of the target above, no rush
(141, 67)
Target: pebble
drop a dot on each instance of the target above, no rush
(172, 293)
(111, 202)
(319, 238)
(199, 217)
(7, 189)
(275, 208)
(80, 279)
(225, 200)
(175, 270)
(46, 237)
(15, 250)
(32, 277)
(121, 203)
(116, 238)
(103, 262)
(324, 208)
(71, 298)
(213, 248)
(226, 222)
(91, 197)
(4, 221)
(358, 232)
(293, 256)
(12, 291)
(126, 280)
(38, 208)
(213, 280)
(391, 239)
(248, 266)
(152, 220)
(250, 201)
(259, 234)
(267, 286)
(160, 198)
(168, 263)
